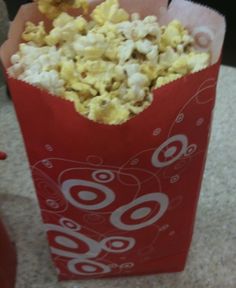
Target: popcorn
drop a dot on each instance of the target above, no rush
(65, 29)
(34, 33)
(108, 65)
(174, 34)
(53, 8)
(109, 11)
(103, 109)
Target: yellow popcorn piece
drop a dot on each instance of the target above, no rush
(85, 90)
(167, 58)
(52, 8)
(34, 33)
(91, 46)
(106, 110)
(198, 61)
(67, 70)
(151, 70)
(65, 29)
(174, 34)
(109, 11)
(180, 65)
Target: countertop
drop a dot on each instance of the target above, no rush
(212, 259)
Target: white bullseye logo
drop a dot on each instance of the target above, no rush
(75, 241)
(172, 149)
(117, 244)
(86, 194)
(87, 267)
(141, 216)
(103, 176)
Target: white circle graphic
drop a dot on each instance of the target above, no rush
(103, 176)
(47, 163)
(200, 121)
(72, 183)
(174, 179)
(127, 265)
(52, 203)
(203, 36)
(141, 213)
(156, 132)
(88, 267)
(48, 147)
(191, 149)
(87, 195)
(93, 246)
(69, 224)
(176, 138)
(180, 118)
(160, 198)
(117, 244)
(170, 152)
(66, 242)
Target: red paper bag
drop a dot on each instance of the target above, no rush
(121, 200)
(7, 260)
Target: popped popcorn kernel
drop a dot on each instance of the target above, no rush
(53, 8)
(34, 33)
(109, 11)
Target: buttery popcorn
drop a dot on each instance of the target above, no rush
(107, 65)
(53, 8)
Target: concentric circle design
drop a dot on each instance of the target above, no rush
(203, 37)
(87, 267)
(127, 265)
(69, 224)
(86, 202)
(174, 179)
(47, 163)
(160, 199)
(103, 176)
(117, 244)
(156, 132)
(81, 246)
(200, 121)
(48, 147)
(52, 204)
(170, 150)
(180, 118)
(191, 149)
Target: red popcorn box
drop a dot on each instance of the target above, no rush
(121, 199)
(7, 259)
